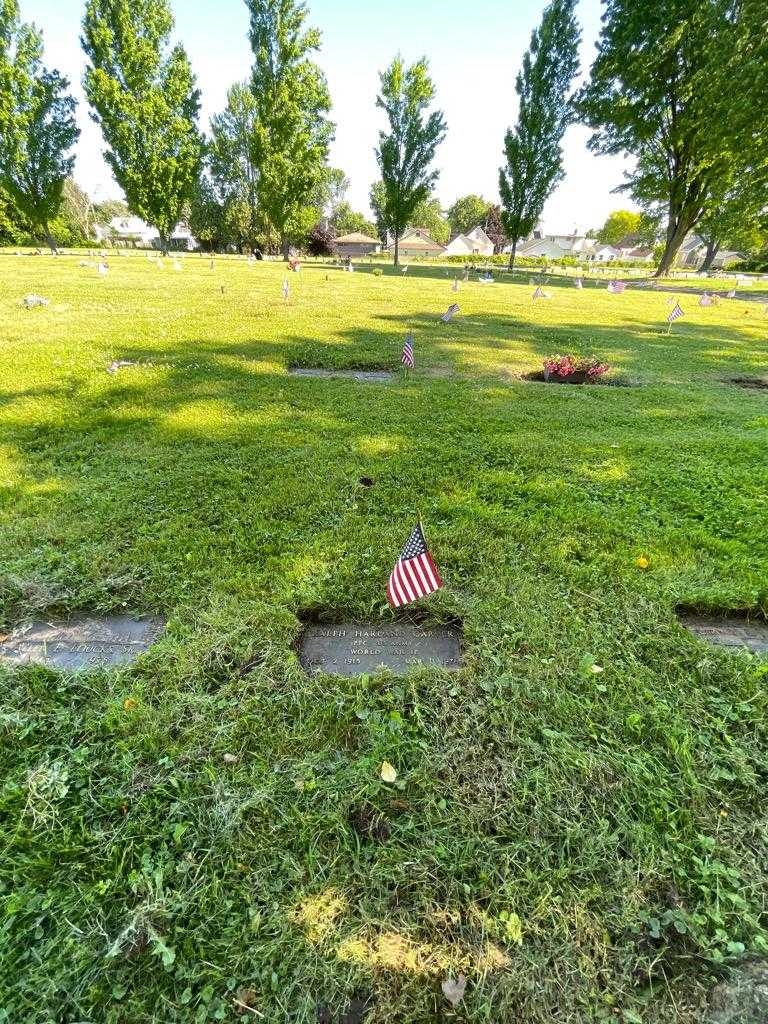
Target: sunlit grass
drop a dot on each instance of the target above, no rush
(546, 815)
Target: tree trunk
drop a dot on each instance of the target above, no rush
(512, 255)
(680, 223)
(713, 248)
(397, 249)
(163, 244)
(50, 240)
(285, 247)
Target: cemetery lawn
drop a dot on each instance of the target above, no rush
(579, 821)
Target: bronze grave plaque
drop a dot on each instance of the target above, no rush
(81, 642)
(353, 648)
(361, 376)
(736, 633)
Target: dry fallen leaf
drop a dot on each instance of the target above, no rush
(454, 990)
(387, 772)
(129, 704)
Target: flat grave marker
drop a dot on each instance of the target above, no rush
(354, 648)
(81, 642)
(734, 633)
(362, 376)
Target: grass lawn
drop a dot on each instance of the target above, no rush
(582, 845)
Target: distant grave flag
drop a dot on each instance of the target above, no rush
(455, 284)
(415, 574)
(616, 287)
(404, 270)
(731, 294)
(286, 289)
(539, 293)
(103, 269)
(674, 314)
(213, 264)
(450, 313)
(578, 283)
(705, 300)
(407, 357)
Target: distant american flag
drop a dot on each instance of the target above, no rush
(675, 313)
(407, 357)
(415, 575)
(450, 313)
(617, 287)
(286, 289)
(578, 283)
(539, 293)
(705, 300)
(731, 294)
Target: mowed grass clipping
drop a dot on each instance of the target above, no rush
(209, 827)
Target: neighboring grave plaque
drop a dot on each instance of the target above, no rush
(362, 376)
(353, 648)
(82, 642)
(736, 633)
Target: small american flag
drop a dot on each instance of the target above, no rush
(404, 270)
(103, 269)
(675, 313)
(705, 300)
(616, 287)
(286, 289)
(415, 575)
(731, 294)
(578, 283)
(407, 357)
(455, 284)
(450, 313)
(539, 293)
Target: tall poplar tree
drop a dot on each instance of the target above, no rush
(533, 150)
(292, 132)
(680, 85)
(144, 98)
(407, 150)
(37, 124)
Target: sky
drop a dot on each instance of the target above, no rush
(474, 48)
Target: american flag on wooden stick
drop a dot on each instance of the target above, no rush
(578, 283)
(450, 313)
(407, 357)
(286, 289)
(731, 294)
(675, 313)
(705, 300)
(415, 574)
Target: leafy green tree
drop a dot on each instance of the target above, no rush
(107, 210)
(144, 98)
(533, 150)
(676, 84)
(428, 214)
(292, 131)
(77, 209)
(345, 220)
(377, 197)
(37, 124)
(736, 220)
(617, 225)
(233, 154)
(466, 213)
(407, 150)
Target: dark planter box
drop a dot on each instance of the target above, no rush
(578, 377)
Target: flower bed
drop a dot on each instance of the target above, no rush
(573, 369)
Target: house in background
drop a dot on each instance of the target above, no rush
(416, 242)
(356, 244)
(133, 232)
(473, 243)
(693, 251)
(605, 254)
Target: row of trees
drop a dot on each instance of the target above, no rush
(678, 84)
